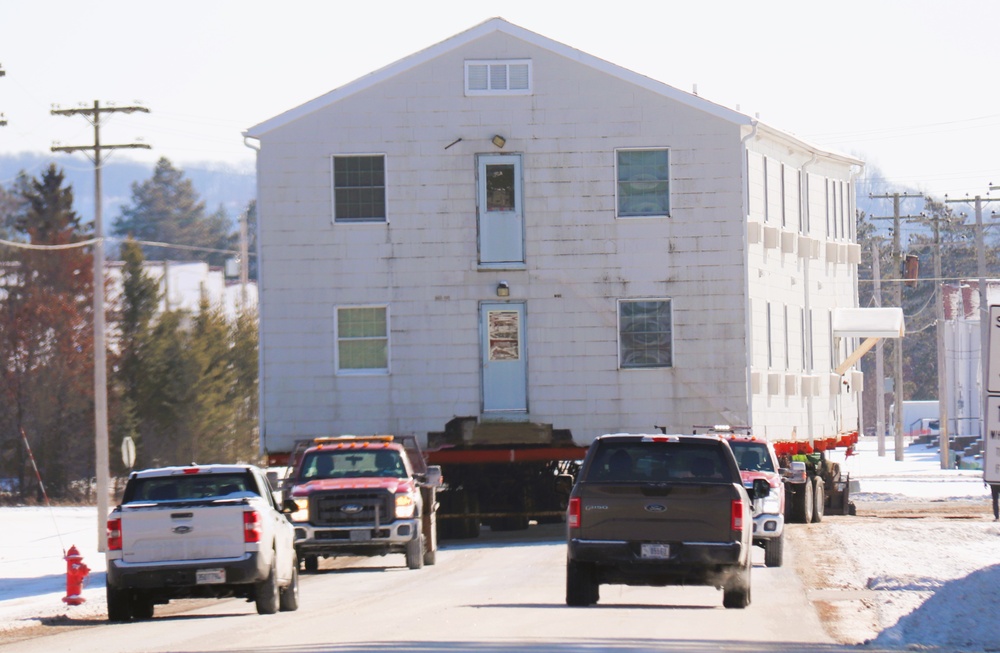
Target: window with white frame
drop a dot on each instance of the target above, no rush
(645, 333)
(359, 188)
(362, 334)
(498, 77)
(643, 179)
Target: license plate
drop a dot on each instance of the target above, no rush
(655, 551)
(361, 536)
(210, 576)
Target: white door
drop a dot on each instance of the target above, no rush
(501, 219)
(505, 365)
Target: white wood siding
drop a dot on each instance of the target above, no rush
(580, 259)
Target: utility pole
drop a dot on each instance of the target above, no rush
(942, 360)
(984, 308)
(879, 357)
(897, 346)
(102, 471)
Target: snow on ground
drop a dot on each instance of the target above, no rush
(33, 542)
(919, 566)
(895, 582)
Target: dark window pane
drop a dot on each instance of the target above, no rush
(359, 187)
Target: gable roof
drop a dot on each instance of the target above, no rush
(472, 34)
(500, 25)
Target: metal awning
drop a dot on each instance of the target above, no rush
(868, 323)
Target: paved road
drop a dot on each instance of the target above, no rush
(483, 596)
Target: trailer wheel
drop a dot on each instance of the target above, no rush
(774, 551)
(582, 588)
(458, 502)
(819, 500)
(802, 503)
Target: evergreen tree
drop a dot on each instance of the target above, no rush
(213, 418)
(167, 209)
(136, 312)
(245, 363)
(46, 335)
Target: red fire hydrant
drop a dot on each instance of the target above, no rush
(76, 571)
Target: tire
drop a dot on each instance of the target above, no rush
(802, 504)
(142, 607)
(774, 552)
(266, 592)
(736, 593)
(311, 564)
(819, 500)
(119, 604)
(415, 552)
(458, 502)
(289, 599)
(582, 588)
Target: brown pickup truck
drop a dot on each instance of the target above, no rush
(660, 510)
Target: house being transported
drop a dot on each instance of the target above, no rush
(503, 228)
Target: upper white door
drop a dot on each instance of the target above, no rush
(501, 218)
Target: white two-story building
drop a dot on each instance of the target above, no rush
(503, 227)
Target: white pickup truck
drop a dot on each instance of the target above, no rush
(203, 531)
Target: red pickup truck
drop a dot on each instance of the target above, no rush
(363, 496)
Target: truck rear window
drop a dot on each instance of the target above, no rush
(653, 462)
(205, 486)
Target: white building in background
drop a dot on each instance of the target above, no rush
(963, 353)
(504, 227)
(184, 283)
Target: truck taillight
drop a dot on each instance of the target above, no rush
(737, 521)
(251, 526)
(573, 513)
(114, 535)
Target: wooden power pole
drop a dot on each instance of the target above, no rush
(101, 461)
(897, 257)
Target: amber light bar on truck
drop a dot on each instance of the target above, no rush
(342, 439)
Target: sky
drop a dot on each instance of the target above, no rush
(909, 86)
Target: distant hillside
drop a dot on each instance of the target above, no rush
(216, 184)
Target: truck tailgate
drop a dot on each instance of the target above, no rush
(657, 513)
(183, 531)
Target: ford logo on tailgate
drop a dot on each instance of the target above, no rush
(351, 509)
(656, 507)
(182, 530)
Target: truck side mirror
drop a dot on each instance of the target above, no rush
(433, 476)
(798, 472)
(288, 506)
(564, 483)
(761, 488)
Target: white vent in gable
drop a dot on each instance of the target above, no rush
(511, 77)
